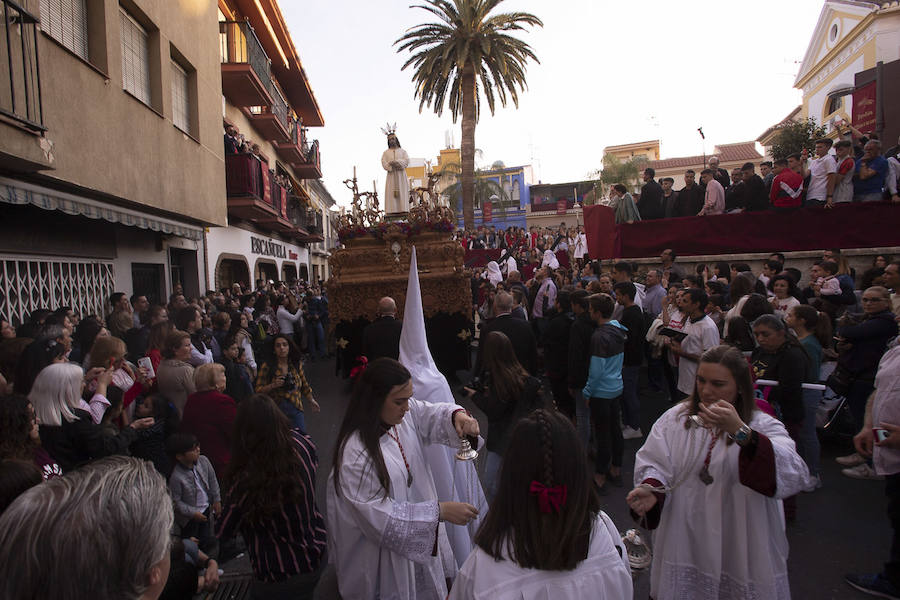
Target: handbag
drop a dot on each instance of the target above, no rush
(840, 380)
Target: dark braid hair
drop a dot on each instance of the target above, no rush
(546, 446)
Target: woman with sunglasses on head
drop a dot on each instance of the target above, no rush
(709, 479)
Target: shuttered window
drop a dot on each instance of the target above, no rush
(135, 58)
(181, 106)
(66, 22)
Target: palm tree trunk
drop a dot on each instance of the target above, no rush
(467, 147)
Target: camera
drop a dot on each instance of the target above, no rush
(289, 384)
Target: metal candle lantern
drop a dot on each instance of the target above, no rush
(466, 452)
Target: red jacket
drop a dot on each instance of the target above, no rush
(209, 415)
(787, 189)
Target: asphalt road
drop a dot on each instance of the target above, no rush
(840, 528)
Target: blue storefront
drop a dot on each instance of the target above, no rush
(509, 212)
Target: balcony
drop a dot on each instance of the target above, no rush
(302, 156)
(246, 73)
(272, 123)
(313, 229)
(248, 189)
(20, 88)
(279, 220)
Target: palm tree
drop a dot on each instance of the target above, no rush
(484, 188)
(469, 48)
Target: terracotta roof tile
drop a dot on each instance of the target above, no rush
(738, 152)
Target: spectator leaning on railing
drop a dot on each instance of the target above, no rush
(714, 201)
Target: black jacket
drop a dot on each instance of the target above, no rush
(868, 341)
(580, 350)
(381, 337)
(787, 366)
(504, 413)
(81, 441)
(651, 203)
(735, 197)
(689, 201)
(519, 333)
(633, 319)
(756, 197)
(556, 345)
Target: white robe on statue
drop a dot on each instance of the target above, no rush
(396, 185)
(454, 480)
(603, 575)
(382, 547)
(722, 541)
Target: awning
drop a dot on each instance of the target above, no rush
(21, 193)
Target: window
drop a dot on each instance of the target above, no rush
(66, 22)
(181, 103)
(135, 58)
(835, 103)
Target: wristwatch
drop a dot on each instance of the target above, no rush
(742, 436)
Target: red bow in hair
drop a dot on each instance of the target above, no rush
(362, 363)
(549, 498)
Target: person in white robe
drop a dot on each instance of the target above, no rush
(385, 520)
(713, 488)
(453, 479)
(580, 245)
(510, 265)
(550, 260)
(545, 536)
(396, 185)
(493, 274)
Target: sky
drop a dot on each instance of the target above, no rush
(611, 72)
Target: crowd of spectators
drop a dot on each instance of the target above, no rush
(160, 383)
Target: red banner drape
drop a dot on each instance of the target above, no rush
(866, 225)
(600, 229)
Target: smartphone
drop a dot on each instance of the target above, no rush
(880, 434)
(147, 364)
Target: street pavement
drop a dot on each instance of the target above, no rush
(840, 528)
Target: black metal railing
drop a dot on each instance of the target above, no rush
(238, 44)
(297, 212)
(279, 104)
(20, 92)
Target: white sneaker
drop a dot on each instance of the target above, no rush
(862, 471)
(631, 434)
(851, 460)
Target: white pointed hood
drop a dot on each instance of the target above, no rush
(454, 480)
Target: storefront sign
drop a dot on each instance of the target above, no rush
(267, 248)
(293, 255)
(864, 108)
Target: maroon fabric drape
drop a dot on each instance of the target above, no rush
(600, 230)
(846, 226)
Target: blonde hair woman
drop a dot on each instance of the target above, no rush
(209, 415)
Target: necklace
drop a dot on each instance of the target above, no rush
(396, 438)
(705, 477)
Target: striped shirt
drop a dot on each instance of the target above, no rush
(291, 541)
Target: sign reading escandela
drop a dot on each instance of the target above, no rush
(267, 248)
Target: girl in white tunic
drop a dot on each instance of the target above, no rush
(711, 476)
(545, 535)
(386, 535)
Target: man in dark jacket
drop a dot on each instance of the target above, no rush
(556, 353)
(690, 197)
(518, 331)
(579, 360)
(633, 320)
(756, 196)
(381, 337)
(651, 202)
(670, 197)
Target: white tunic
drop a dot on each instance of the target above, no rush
(382, 547)
(396, 185)
(721, 541)
(603, 575)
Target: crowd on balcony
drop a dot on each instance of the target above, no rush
(850, 170)
(193, 387)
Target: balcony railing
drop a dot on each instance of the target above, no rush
(238, 44)
(20, 91)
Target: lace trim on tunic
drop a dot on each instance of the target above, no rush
(686, 582)
(411, 529)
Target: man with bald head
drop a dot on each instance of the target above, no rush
(719, 174)
(518, 331)
(381, 337)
